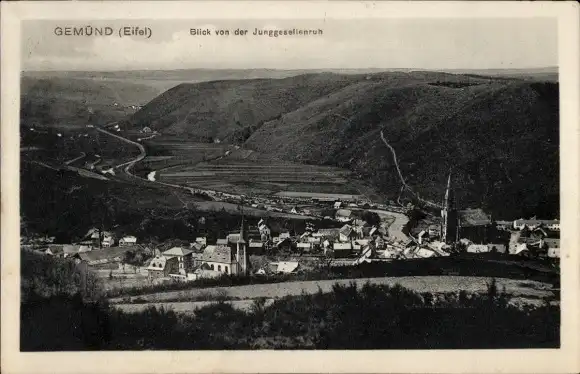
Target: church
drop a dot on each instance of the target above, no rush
(472, 224)
(230, 255)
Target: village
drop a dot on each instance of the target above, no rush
(257, 250)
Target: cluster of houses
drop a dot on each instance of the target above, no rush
(476, 231)
(535, 237)
(97, 247)
(228, 256)
(354, 242)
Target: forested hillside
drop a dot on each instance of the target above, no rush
(499, 137)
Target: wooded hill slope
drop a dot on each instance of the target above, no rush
(60, 102)
(499, 137)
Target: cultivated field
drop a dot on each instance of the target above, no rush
(531, 292)
(248, 177)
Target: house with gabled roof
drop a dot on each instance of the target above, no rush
(347, 233)
(105, 256)
(56, 250)
(283, 267)
(220, 258)
(72, 249)
(339, 250)
(183, 256)
(127, 240)
(162, 267)
(327, 233)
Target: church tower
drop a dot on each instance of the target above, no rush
(242, 250)
(449, 227)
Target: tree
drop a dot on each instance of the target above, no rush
(129, 257)
(371, 218)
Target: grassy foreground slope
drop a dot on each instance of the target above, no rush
(499, 136)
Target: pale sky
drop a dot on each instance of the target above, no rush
(344, 44)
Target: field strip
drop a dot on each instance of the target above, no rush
(434, 284)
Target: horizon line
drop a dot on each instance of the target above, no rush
(554, 67)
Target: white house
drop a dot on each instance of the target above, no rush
(108, 240)
(264, 229)
(478, 248)
(127, 240)
(340, 249)
(534, 223)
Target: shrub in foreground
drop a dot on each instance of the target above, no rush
(371, 317)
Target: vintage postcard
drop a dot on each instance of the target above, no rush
(290, 187)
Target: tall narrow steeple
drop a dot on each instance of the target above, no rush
(449, 233)
(242, 247)
(447, 192)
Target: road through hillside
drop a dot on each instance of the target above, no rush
(130, 163)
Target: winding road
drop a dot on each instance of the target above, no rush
(129, 164)
(83, 155)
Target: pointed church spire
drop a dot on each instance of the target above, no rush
(241, 252)
(243, 231)
(449, 222)
(447, 193)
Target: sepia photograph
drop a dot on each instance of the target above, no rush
(295, 183)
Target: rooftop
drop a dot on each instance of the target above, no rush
(158, 263)
(346, 230)
(537, 221)
(341, 246)
(217, 253)
(343, 213)
(109, 253)
(177, 251)
(474, 217)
